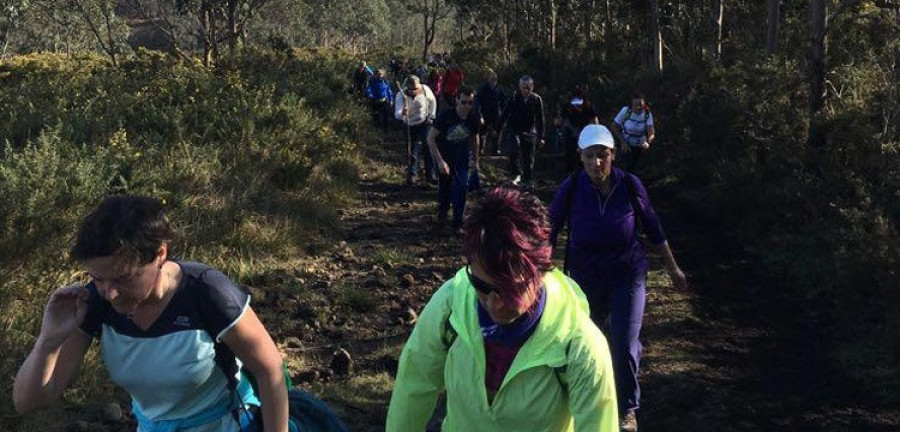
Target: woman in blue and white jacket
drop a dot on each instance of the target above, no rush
(161, 325)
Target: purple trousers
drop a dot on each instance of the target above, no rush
(617, 307)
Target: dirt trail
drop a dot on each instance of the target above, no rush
(704, 367)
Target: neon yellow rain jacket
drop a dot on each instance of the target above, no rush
(561, 379)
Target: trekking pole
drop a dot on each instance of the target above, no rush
(409, 157)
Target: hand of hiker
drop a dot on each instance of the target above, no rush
(541, 143)
(404, 111)
(445, 169)
(645, 145)
(679, 281)
(63, 314)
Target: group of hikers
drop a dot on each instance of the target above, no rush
(449, 127)
(513, 342)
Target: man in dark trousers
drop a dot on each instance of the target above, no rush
(453, 140)
(523, 124)
(488, 100)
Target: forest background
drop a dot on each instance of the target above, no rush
(777, 122)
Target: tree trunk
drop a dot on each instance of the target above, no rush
(656, 40)
(817, 17)
(429, 30)
(773, 18)
(203, 18)
(233, 31)
(507, 49)
(553, 23)
(718, 17)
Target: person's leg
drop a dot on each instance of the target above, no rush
(460, 172)
(385, 114)
(430, 168)
(512, 149)
(445, 185)
(636, 153)
(414, 133)
(625, 318)
(373, 111)
(527, 144)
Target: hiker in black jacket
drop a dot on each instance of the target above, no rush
(523, 124)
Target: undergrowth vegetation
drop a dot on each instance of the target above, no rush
(253, 160)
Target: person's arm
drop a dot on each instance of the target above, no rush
(400, 105)
(651, 132)
(432, 105)
(679, 280)
(592, 390)
(57, 353)
(435, 153)
(251, 343)
(475, 147)
(618, 128)
(540, 119)
(558, 211)
(420, 373)
(652, 226)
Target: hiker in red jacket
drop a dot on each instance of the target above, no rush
(452, 80)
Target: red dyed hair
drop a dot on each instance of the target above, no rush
(507, 231)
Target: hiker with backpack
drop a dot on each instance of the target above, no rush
(607, 212)
(361, 76)
(634, 125)
(163, 326)
(522, 125)
(488, 101)
(577, 113)
(435, 82)
(453, 79)
(508, 338)
(416, 106)
(453, 140)
(380, 96)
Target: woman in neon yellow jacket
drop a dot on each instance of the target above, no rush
(509, 338)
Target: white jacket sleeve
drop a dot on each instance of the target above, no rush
(399, 103)
(432, 104)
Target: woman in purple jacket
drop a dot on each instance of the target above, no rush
(607, 210)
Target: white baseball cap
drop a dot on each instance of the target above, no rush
(594, 134)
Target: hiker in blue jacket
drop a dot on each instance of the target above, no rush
(381, 98)
(607, 211)
(161, 324)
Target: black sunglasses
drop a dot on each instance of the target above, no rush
(479, 284)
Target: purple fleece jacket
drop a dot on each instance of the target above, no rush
(604, 246)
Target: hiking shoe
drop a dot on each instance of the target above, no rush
(517, 180)
(628, 422)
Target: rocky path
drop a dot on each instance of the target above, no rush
(706, 365)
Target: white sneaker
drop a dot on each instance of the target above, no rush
(517, 180)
